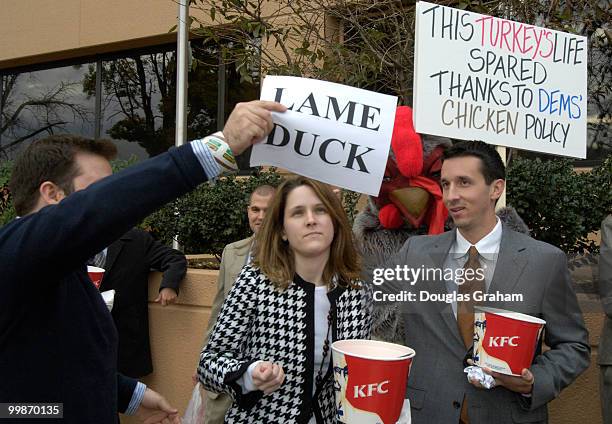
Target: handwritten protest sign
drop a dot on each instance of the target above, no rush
(507, 83)
(333, 133)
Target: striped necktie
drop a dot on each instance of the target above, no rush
(465, 310)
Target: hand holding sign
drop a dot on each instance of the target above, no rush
(248, 123)
(333, 133)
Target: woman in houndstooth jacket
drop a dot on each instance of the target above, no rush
(270, 347)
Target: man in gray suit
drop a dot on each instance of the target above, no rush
(235, 256)
(516, 272)
(605, 343)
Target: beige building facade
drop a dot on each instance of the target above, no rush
(106, 69)
(40, 31)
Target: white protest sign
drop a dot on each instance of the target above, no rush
(332, 133)
(479, 77)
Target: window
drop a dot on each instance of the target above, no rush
(36, 103)
(137, 108)
(137, 100)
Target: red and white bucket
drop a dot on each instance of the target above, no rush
(505, 341)
(95, 275)
(370, 380)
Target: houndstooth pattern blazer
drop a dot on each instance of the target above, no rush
(259, 322)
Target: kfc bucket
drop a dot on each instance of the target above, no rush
(505, 341)
(95, 274)
(370, 380)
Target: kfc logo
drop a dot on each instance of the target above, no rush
(501, 341)
(367, 390)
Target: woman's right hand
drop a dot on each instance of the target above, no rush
(268, 376)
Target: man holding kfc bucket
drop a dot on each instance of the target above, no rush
(499, 268)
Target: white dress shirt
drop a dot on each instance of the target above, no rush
(488, 249)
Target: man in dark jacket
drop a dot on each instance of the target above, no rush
(58, 341)
(127, 263)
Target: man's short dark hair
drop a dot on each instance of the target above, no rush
(491, 164)
(51, 159)
(262, 190)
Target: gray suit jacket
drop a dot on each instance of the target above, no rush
(605, 290)
(233, 259)
(437, 383)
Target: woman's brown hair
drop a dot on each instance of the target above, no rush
(274, 257)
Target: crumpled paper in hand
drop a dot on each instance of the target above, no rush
(109, 298)
(476, 373)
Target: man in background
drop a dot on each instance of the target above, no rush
(128, 262)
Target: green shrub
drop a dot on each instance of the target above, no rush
(7, 212)
(349, 202)
(561, 206)
(211, 216)
(119, 164)
(215, 214)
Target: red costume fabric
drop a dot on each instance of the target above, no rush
(407, 169)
